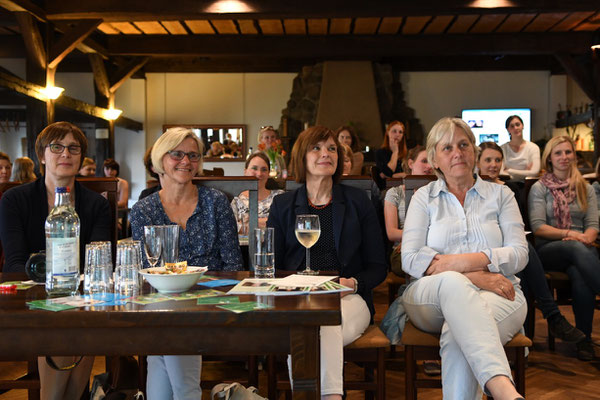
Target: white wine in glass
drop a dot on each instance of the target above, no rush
(308, 230)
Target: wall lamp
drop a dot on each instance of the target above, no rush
(52, 92)
(112, 113)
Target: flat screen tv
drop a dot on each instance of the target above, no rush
(488, 124)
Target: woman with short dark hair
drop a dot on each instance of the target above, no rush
(350, 242)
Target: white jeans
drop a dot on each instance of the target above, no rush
(174, 377)
(474, 325)
(355, 320)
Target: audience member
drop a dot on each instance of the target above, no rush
(347, 136)
(389, 157)
(60, 147)
(216, 149)
(463, 242)
(532, 276)
(150, 170)
(23, 170)
(564, 219)
(88, 168)
(207, 237)
(348, 159)
(350, 242)
(267, 136)
(5, 168)
(111, 170)
(521, 158)
(596, 184)
(257, 165)
(394, 207)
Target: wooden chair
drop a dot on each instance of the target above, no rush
(216, 171)
(108, 188)
(421, 345)
(368, 351)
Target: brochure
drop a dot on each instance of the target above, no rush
(282, 287)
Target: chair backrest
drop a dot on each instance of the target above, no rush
(393, 182)
(359, 182)
(8, 185)
(232, 186)
(107, 187)
(216, 171)
(412, 183)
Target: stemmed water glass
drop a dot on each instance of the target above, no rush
(153, 244)
(308, 230)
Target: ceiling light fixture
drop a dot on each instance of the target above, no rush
(112, 113)
(52, 92)
(229, 7)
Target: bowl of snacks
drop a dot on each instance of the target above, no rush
(173, 278)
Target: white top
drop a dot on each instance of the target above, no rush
(517, 164)
(489, 222)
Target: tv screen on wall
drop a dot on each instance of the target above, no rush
(488, 124)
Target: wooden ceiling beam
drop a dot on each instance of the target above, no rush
(100, 75)
(34, 44)
(10, 81)
(70, 40)
(24, 6)
(582, 73)
(126, 72)
(349, 46)
(149, 10)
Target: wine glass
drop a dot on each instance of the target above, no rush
(153, 245)
(308, 230)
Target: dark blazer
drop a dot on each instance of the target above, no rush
(23, 212)
(357, 235)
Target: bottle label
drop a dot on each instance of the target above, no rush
(64, 256)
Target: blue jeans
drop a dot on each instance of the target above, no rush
(174, 378)
(582, 265)
(474, 324)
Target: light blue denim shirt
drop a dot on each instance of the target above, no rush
(489, 222)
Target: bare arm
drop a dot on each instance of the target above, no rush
(123, 193)
(390, 212)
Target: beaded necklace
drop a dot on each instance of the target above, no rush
(320, 207)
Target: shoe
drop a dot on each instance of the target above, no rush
(432, 367)
(562, 329)
(585, 350)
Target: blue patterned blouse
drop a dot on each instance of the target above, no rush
(210, 238)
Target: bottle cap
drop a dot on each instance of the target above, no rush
(62, 189)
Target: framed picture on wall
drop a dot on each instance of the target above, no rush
(222, 142)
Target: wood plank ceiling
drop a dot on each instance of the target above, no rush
(199, 36)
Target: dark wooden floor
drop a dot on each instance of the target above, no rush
(551, 375)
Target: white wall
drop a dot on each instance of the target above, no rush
(434, 95)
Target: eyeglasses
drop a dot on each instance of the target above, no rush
(57, 148)
(178, 155)
(267, 128)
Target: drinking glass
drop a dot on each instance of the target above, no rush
(170, 244)
(264, 256)
(129, 261)
(98, 268)
(153, 247)
(308, 230)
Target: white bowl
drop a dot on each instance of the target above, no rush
(172, 283)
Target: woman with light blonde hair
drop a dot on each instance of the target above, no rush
(23, 170)
(563, 213)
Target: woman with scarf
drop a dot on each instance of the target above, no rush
(564, 219)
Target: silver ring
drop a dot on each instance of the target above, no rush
(501, 287)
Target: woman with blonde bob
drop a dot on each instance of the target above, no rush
(23, 170)
(463, 243)
(207, 236)
(564, 219)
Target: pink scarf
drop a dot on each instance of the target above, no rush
(563, 195)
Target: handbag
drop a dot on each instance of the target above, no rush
(121, 383)
(234, 391)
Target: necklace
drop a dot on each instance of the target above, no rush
(320, 207)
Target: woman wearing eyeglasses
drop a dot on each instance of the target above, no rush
(208, 236)
(60, 147)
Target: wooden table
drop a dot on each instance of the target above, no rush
(173, 327)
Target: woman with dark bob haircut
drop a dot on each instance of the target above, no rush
(350, 242)
(60, 147)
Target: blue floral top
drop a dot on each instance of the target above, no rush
(210, 238)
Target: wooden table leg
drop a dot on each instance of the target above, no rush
(304, 345)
